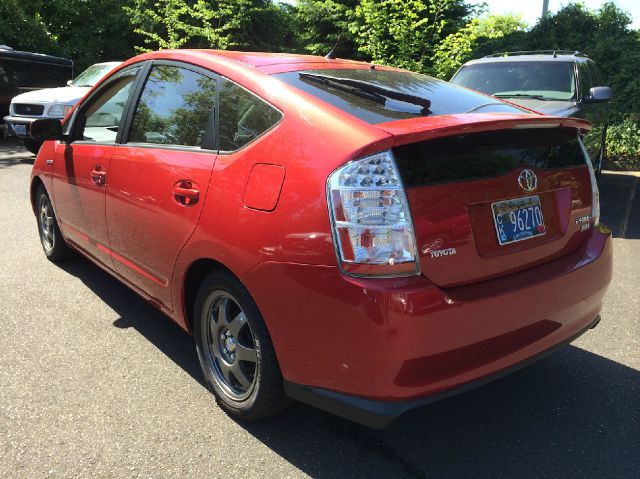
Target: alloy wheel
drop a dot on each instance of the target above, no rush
(230, 347)
(47, 231)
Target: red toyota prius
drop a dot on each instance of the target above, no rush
(357, 237)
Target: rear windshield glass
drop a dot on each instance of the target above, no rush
(378, 96)
(547, 80)
(482, 155)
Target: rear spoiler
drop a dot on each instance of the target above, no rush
(427, 128)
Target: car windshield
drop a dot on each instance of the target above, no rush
(546, 80)
(375, 95)
(91, 75)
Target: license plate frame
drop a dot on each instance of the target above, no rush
(20, 130)
(526, 210)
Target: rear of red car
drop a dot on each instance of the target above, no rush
(468, 247)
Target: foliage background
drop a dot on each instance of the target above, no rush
(429, 36)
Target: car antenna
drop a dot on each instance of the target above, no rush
(332, 54)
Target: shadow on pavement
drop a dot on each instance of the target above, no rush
(573, 414)
(620, 203)
(13, 153)
(8, 162)
(136, 313)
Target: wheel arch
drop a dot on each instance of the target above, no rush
(193, 277)
(36, 182)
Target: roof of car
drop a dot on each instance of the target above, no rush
(108, 63)
(267, 63)
(261, 59)
(535, 55)
(10, 53)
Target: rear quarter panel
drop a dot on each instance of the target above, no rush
(309, 143)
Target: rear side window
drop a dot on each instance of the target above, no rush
(243, 116)
(482, 155)
(175, 107)
(377, 96)
(596, 76)
(585, 81)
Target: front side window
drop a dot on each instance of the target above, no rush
(101, 120)
(175, 107)
(243, 116)
(546, 80)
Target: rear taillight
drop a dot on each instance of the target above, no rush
(371, 220)
(595, 192)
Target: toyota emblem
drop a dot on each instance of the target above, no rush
(528, 180)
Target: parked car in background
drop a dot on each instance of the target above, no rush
(25, 71)
(51, 103)
(361, 238)
(553, 82)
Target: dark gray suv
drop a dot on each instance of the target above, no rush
(553, 82)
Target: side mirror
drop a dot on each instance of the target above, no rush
(46, 129)
(69, 82)
(600, 93)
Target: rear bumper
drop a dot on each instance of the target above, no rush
(370, 349)
(381, 414)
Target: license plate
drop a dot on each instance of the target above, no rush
(518, 219)
(20, 130)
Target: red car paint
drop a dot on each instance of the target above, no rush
(262, 213)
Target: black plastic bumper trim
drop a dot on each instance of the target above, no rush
(381, 414)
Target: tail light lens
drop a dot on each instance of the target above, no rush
(371, 220)
(595, 192)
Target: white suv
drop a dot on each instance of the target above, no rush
(51, 103)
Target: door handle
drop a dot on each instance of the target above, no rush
(185, 193)
(98, 176)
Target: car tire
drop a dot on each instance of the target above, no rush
(53, 244)
(235, 350)
(32, 145)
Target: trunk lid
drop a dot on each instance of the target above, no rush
(455, 169)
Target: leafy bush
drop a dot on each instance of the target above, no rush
(623, 140)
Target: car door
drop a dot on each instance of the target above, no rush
(81, 166)
(159, 176)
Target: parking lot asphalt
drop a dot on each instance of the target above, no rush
(96, 383)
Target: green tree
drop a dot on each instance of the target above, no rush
(320, 23)
(404, 33)
(89, 32)
(465, 44)
(222, 24)
(86, 32)
(23, 28)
